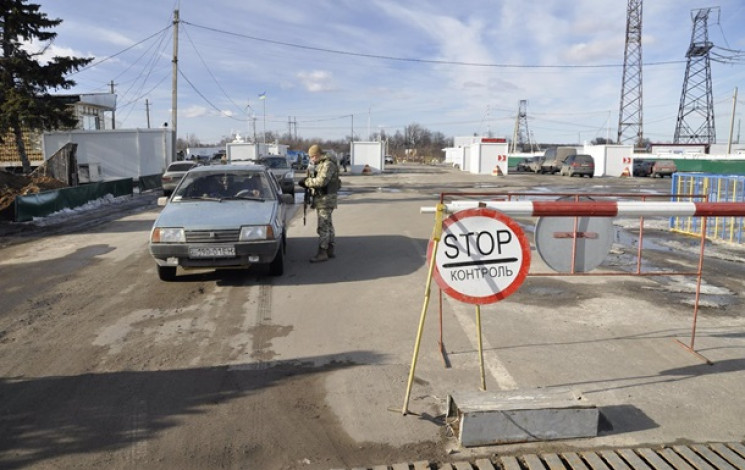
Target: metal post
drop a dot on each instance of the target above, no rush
(732, 122)
(481, 347)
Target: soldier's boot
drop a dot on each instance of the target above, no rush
(330, 251)
(322, 255)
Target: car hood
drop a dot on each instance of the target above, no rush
(206, 215)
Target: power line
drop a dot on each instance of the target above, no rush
(418, 60)
(209, 71)
(98, 62)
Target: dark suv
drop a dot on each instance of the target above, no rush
(578, 164)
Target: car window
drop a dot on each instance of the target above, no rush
(274, 162)
(181, 166)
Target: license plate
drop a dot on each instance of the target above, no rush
(212, 252)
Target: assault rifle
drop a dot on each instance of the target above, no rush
(307, 196)
(307, 201)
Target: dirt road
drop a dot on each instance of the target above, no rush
(103, 365)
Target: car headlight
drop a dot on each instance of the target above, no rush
(168, 235)
(256, 232)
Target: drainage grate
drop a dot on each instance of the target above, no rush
(713, 456)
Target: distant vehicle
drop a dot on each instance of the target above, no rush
(301, 161)
(173, 174)
(221, 216)
(579, 165)
(522, 165)
(535, 164)
(280, 168)
(642, 167)
(663, 168)
(554, 157)
(389, 159)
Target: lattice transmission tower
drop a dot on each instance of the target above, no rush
(521, 136)
(696, 112)
(630, 129)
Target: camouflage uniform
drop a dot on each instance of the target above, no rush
(325, 184)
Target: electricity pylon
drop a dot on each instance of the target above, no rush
(521, 128)
(696, 112)
(630, 129)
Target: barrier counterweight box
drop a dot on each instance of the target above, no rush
(482, 418)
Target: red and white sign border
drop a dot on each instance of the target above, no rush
(516, 282)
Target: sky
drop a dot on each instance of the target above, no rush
(328, 68)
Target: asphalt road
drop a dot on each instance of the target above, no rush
(103, 365)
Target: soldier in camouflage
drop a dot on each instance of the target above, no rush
(325, 184)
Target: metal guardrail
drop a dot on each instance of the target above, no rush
(710, 188)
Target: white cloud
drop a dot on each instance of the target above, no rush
(316, 81)
(195, 111)
(605, 51)
(49, 51)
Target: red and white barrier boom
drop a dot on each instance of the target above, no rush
(601, 208)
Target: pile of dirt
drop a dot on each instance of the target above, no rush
(11, 185)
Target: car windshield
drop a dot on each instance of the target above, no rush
(224, 185)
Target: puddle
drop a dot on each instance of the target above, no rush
(625, 238)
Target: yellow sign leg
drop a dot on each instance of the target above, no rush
(436, 238)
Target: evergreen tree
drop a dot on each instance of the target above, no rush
(25, 102)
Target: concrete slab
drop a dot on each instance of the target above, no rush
(486, 418)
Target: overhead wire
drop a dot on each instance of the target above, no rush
(733, 55)
(418, 60)
(209, 71)
(143, 78)
(206, 100)
(105, 59)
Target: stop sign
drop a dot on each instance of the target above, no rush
(482, 257)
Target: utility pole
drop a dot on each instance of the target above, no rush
(174, 86)
(630, 128)
(113, 112)
(732, 122)
(147, 112)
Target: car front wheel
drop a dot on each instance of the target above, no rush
(167, 273)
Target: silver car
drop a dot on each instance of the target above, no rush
(280, 167)
(222, 216)
(173, 174)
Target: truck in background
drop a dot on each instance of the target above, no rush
(554, 157)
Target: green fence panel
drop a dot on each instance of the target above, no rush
(722, 167)
(42, 204)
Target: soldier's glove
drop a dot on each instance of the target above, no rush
(302, 184)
